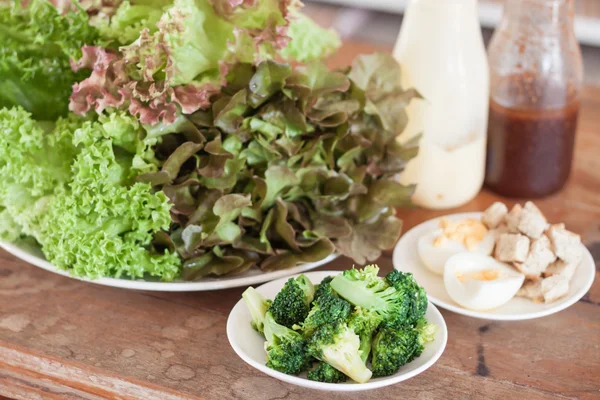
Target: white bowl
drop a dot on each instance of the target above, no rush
(249, 344)
(406, 259)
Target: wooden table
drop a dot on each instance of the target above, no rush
(61, 338)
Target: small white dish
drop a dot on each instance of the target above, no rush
(249, 344)
(33, 255)
(406, 259)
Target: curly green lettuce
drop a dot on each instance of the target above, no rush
(37, 43)
(70, 188)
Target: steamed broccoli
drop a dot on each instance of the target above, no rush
(286, 349)
(258, 306)
(392, 348)
(426, 331)
(292, 303)
(364, 322)
(334, 329)
(323, 288)
(338, 345)
(327, 308)
(324, 372)
(365, 289)
(417, 298)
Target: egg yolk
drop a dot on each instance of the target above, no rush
(469, 232)
(481, 275)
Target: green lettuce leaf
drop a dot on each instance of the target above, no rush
(37, 43)
(308, 41)
(128, 20)
(69, 186)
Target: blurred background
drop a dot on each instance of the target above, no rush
(378, 22)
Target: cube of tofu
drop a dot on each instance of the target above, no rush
(532, 222)
(532, 290)
(513, 218)
(512, 247)
(545, 290)
(561, 268)
(497, 231)
(556, 226)
(565, 244)
(539, 258)
(494, 215)
(554, 288)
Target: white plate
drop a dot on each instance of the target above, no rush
(406, 259)
(33, 255)
(249, 344)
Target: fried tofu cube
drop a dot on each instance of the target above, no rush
(565, 244)
(494, 215)
(554, 288)
(532, 222)
(561, 268)
(545, 290)
(539, 258)
(512, 247)
(560, 225)
(513, 218)
(497, 231)
(532, 290)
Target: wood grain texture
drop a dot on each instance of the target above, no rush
(65, 339)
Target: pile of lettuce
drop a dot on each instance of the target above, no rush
(288, 166)
(69, 185)
(174, 139)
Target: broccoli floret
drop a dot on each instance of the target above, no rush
(339, 346)
(364, 322)
(258, 306)
(365, 289)
(415, 294)
(286, 349)
(327, 308)
(292, 303)
(323, 288)
(392, 348)
(426, 332)
(324, 372)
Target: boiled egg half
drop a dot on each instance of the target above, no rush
(479, 282)
(453, 237)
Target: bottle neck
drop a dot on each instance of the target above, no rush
(540, 13)
(446, 3)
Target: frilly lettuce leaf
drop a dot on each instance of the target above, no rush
(179, 63)
(69, 186)
(128, 19)
(34, 160)
(37, 43)
(308, 41)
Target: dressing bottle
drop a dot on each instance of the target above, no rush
(536, 77)
(441, 52)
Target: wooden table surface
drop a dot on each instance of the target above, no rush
(61, 338)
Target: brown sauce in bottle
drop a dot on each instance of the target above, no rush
(530, 151)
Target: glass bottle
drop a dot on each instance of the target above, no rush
(441, 52)
(536, 76)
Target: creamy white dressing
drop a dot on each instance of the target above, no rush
(441, 52)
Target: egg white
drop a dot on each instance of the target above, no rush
(434, 258)
(480, 295)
